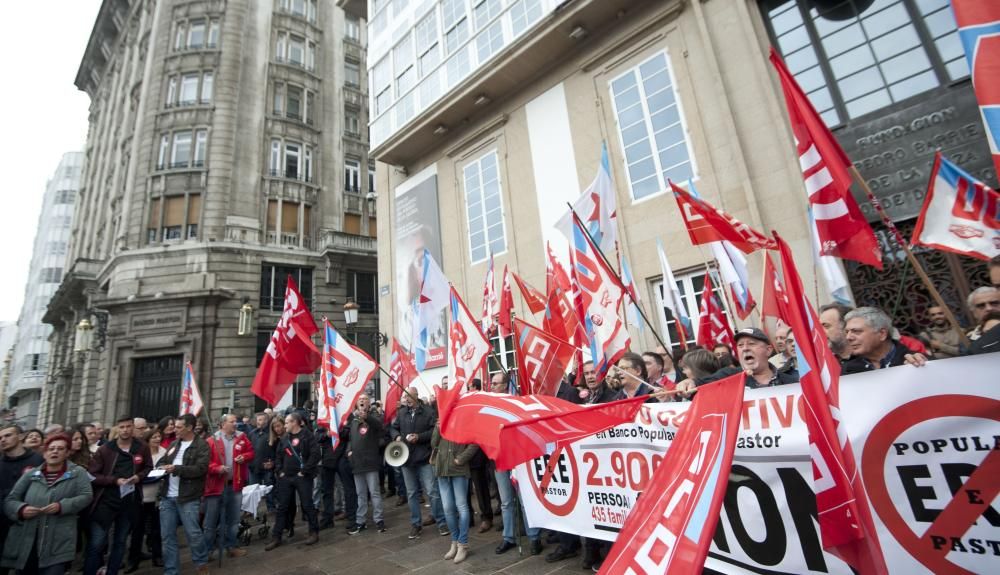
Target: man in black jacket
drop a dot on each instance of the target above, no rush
(365, 433)
(414, 425)
(186, 465)
(334, 463)
(295, 463)
(753, 348)
(870, 340)
(15, 462)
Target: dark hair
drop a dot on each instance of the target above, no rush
(164, 421)
(81, 429)
(36, 430)
(505, 376)
(701, 362)
(124, 418)
(476, 384)
(187, 420)
(17, 428)
(727, 360)
(58, 437)
(636, 360)
(729, 350)
(657, 358)
(995, 262)
(841, 309)
(149, 434)
(297, 417)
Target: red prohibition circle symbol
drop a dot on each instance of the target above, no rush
(953, 518)
(567, 507)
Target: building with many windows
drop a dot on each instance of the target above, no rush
(225, 155)
(30, 353)
(487, 116)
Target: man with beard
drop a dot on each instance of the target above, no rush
(831, 317)
(940, 337)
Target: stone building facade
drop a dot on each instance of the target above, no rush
(29, 356)
(224, 155)
(494, 113)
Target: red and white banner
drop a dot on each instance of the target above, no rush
(713, 327)
(402, 371)
(927, 455)
(774, 299)
(706, 224)
(542, 359)
(490, 302)
(960, 213)
(290, 351)
(506, 305)
(467, 346)
(190, 394)
(345, 371)
(979, 31)
(672, 525)
(534, 299)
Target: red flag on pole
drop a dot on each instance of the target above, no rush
(534, 299)
(844, 516)
(542, 359)
(290, 351)
(775, 298)
(671, 527)
(978, 26)
(843, 230)
(343, 375)
(191, 401)
(489, 300)
(512, 429)
(402, 371)
(713, 327)
(707, 224)
(506, 305)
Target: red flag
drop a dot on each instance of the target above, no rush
(561, 317)
(534, 299)
(290, 351)
(512, 429)
(775, 298)
(402, 371)
(506, 305)
(978, 22)
(467, 345)
(343, 376)
(713, 327)
(489, 300)
(542, 359)
(671, 527)
(845, 520)
(706, 224)
(191, 401)
(842, 228)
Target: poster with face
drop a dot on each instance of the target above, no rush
(418, 227)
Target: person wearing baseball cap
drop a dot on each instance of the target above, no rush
(753, 348)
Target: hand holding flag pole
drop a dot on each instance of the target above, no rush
(618, 277)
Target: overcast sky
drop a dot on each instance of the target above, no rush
(44, 116)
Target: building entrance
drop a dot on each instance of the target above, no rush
(156, 386)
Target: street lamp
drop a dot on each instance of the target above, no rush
(246, 318)
(84, 336)
(85, 331)
(351, 313)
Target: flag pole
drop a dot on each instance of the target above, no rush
(617, 277)
(395, 382)
(935, 294)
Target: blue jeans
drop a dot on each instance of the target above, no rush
(222, 518)
(99, 538)
(415, 478)
(172, 513)
(455, 494)
(508, 500)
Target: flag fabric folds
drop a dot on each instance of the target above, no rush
(489, 300)
(670, 529)
(829, 267)
(190, 394)
(632, 295)
(427, 307)
(672, 300)
(506, 305)
(345, 371)
(542, 359)
(842, 228)
(512, 429)
(534, 299)
(561, 315)
(467, 346)
(402, 372)
(960, 213)
(600, 297)
(713, 327)
(290, 351)
(774, 299)
(979, 31)
(733, 269)
(706, 224)
(844, 516)
(596, 208)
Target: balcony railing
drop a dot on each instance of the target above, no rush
(294, 63)
(287, 239)
(297, 175)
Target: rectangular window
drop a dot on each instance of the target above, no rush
(310, 56)
(489, 42)
(279, 47)
(351, 123)
(292, 161)
(213, 34)
(180, 33)
(352, 73)
(361, 287)
(200, 145)
(173, 218)
(402, 59)
(171, 91)
(189, 89)
(294, 110)
(196, 34)
(279, 99)
(310, 107)
(691, 287)
(381, 81)
(484, 207)
(653, 137)
(371, 179)
(352, 176)
(161, 160)
(180, 156)
(523, 14)
(307, 165)
(352, 28)
(274, 279)
(50, 275)
(207, 85)
(458, 66)
(194, 214)
(275, 163)
(505, 350)
(296, 50)
(425, 38)
(485, 11)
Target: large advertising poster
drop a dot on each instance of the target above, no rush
(418, 227)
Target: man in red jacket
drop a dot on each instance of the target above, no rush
(231, 452)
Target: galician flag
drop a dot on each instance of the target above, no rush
(344, 373)
(190, 394)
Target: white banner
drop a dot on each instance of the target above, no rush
(920, 435)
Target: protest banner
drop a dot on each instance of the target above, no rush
(927, 441)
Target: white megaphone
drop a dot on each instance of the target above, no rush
(396, 453)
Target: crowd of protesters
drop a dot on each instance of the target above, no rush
(113, 498)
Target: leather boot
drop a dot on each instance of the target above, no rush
(451, 552)
(462, 553)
